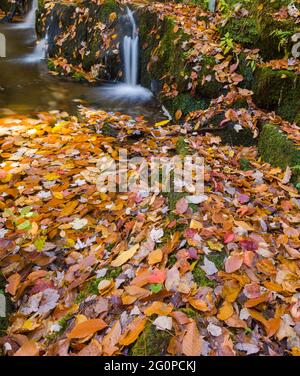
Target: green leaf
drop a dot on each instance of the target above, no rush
(40, 243)
(155, 288)
(26, 225)
(25, 211)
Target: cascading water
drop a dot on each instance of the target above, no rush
(131, 52)
(130, 90)
(29, 21)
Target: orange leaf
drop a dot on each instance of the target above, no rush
(87, 328)
(192, 342)
(234, 262)
(133, 331)
(13, 283)
(255, 301)
(159, 308)
(111, 339)
(29, 348)
(69, 208)
(200, 305)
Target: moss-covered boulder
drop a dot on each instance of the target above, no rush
(4, 5)
(278, 90)
(151, 342)
(276, 148)
(259, 29)
(84, 35)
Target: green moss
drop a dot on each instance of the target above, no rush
(108, 7)
(63, 323)
(201, 279)
(245, 164)
(200, 276)
(218, 258)
(242, 30)
(182, 147)
(108, 130)
(279, 91)
(186, 103)
(163, 55)
(4, 5)
(190, 313)
(79, 76)
(172, 259)
(275, 148)
(151, 342)
(91, 287)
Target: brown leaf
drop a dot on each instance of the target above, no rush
(192, 342)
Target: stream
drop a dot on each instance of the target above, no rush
(26, 86)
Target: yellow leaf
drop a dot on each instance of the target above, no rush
(231, 290)
(161, 123)
(155, 256)
(51, 176)
(178, 114)
(226, 311)
(215, 246)
(58, 195)
(112, 16)
(195, 225)
(125, 256)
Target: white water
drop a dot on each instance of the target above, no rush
(40, 51)
(129, 91)
(29, 21)
(131, 52)
(212, 5)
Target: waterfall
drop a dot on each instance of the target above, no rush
(212, 5)
(40, 51)
(29, 21)
(131, 52)
(128, 91)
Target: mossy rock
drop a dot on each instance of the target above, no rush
(262, 31)
(243, 30)
(279, 91)
(151, 342)
(162, 53)
(186, 103)
(276, 149)
(4, 5)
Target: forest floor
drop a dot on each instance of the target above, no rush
(91, 272)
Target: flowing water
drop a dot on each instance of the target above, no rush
(29, 21)
(129, 90)
(131, 52)
(27, 87)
